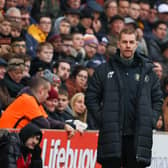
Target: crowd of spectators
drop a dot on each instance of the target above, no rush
(64, 41)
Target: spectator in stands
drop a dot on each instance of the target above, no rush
(62, 26)
(28, 108)
(5, 46)
(144, 10)
(44, 57)
(134, 10)
(18, 45)
(10, 4)
(56, 106)
(78, 45)
(13, 14)
(4, 94)
(110, 9)
(16, 30)
(78, 80)
(123, 118)
(90, 46)
(38, 33)
(2, 5)
(86, 21)
(5, 28)
(73, 16)
(56, 41)
(159, 34)
(163, 12)
(115, 26)
(14, 75)
(25, 19)
(78, 106)
(123, 7)
(62, 68)
(21, 149)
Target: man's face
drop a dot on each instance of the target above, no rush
(67, 46)
(123, 8)
(5, 28)
(63, 70)
(11, 3)
(111, 9)
(2, 71)
(16, 74)
(134, 10)
(78, 41)
(32, 142)
(51, 104)
(57, 44)
(144, 11)
(74, 4)
(43, 92)
(102, 48)
(73, 19)
(62, 102)
(46, 54)
(127, 45)
(2, 4)
(86, 22)
(25, 20)
(160, 31)
(117, 26)
(45, 24)
(19, 47)
(90, 50)
(64, 27)
(81, 79)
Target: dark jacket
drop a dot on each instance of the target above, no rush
(104, 100)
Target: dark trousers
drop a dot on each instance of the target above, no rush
(128, 159)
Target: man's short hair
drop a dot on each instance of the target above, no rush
(36, 82)
(157, 23)
(128, 31)
(44, 44)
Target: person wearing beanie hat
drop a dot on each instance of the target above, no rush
(30, 138)
(90, 46)
(52, 78)
(21, 150)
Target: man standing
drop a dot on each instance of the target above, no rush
(124, 98)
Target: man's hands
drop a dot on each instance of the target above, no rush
(70, 130)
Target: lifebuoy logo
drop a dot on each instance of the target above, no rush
(66, 157)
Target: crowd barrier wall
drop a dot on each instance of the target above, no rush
(81, 150)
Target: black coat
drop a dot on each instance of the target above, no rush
(104, 100)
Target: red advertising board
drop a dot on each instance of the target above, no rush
(78, 152)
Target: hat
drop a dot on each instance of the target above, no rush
(90, 39)
(86, 13)
(95, 6)
(129, 20)
(103, 39)
(163, 8)
(52, 94)
(14, 63)
(29, 131)
(3, 62)
(94, 63)
(51, 77)
(116, 17)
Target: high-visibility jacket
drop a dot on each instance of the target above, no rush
(22, 111)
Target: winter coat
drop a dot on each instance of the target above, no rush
(104, 100)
